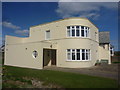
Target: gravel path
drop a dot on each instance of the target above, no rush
(109, 71)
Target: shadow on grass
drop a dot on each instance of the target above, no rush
(63, 79)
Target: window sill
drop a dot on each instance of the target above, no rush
(77, 60)
(78, 37)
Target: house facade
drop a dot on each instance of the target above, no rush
(70, 42)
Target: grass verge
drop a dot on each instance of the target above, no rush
(63, 79)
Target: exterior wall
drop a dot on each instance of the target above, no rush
(15, 40)
(65, 44)
(104, 54)
(58, 29)
(59, 36)
(17, 55)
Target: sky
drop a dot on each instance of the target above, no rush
(18, 17)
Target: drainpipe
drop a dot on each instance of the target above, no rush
(109, 61)
(51, 53)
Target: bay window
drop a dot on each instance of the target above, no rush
(78, 54)
(77, 31)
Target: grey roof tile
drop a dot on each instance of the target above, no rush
(104, 37)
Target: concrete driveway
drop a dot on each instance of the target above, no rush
(107, 71)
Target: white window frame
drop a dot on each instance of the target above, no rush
(46, 35)
(34, 54)
(89, 55)
(80, 31)
(86, 31)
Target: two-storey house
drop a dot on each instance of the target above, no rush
(70, 42)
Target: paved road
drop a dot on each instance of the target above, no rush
(109, 71)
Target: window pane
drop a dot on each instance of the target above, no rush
(73, 26)
(77, 33)
(89, 54)
(78, 50)
(73, 56)
(77, 27)
(78, 56)
(82, 27)
(83, 56)
(48, 34)
(68, 56)
(86, 50)
(73, 50)
(82, 33)
(86, 56)
(35, 54)
(68, 27)
(68, 33)
(83, 50)
(86, 33)
(68, 50)
(73, 32)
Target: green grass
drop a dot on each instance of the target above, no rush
(64, 79)
(116, 62)
(0, 58)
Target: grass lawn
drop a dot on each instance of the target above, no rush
(116, 62)
(63, 79)
(0, 58)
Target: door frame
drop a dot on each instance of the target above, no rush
(50, 55)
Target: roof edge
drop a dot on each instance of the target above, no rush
(65, 19)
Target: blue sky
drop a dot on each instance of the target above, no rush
(18, 17)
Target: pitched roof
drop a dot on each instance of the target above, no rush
(104, 37)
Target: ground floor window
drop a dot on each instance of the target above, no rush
(78, 54)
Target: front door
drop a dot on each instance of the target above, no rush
(53, 57)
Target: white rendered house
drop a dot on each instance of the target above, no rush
(70, 42)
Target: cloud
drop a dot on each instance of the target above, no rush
(90, 15)
(22, 32)
(86, 9)
(0, 41)
(10, 25)
(17, 29)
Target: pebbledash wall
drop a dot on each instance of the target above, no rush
(68, 44)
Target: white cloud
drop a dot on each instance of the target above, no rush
(22, 32)
(17, 29)
(0, 41)
(10, 25)
(89, 0)
(86, 9)
(92, 15)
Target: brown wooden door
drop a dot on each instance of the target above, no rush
(53, 57)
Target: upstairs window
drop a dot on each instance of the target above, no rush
(47, 35)
(73, 32)
(68, 31)
(77, 31)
